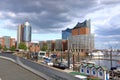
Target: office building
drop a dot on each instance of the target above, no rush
(20, 33)
(27, 32)
(24, 34)
(7, 41)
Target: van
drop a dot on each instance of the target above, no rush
(41, 54)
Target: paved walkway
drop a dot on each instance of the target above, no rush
(11, 71)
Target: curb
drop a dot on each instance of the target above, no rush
(8, 59)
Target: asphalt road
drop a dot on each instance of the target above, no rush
(12, 71)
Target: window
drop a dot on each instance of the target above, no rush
(87, 71)
(100, 73)
(94, 73)
(82, 70)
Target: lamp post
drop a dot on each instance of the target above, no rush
(61, 51)
(111, 57)
(69, 51)
(73, 59)
(78, 55)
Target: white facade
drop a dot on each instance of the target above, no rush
(94, 70)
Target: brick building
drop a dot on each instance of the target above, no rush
(7, 41)
(34, 47)
(81, 28)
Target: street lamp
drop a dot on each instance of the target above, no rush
(78, 55)
(69, 51)
(73, 51)
(111, 57)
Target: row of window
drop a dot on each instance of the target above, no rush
(94, 72)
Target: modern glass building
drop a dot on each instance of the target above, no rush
(66, 33)
(27, 32)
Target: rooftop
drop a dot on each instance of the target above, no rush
(86, 23)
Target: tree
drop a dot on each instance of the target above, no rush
(12, 48)
(44, 48)
(22, 46)
(5, 48)
(0, 46)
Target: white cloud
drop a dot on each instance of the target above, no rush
(11, 14)
(1, 15)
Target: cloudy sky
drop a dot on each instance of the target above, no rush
(49, 17)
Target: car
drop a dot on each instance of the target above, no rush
(60, 65)
(48, 61)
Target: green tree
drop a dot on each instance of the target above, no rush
(0, 46)
(22, 46)
(12, 48)
(5, 48)
(44, 48)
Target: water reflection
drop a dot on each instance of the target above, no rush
(107, 63)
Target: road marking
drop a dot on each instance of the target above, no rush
(0, 79)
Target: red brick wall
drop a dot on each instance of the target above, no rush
(75, 32)
(12, 42)
(34, 48)
(84, 30)
(80, 31)
(2, 42)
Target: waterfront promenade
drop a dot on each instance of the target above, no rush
(11, 71)
(46, 72)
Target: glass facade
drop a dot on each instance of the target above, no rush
(66, 33)
(81, 42)
(27, 32)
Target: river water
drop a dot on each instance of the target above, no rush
(107, 63)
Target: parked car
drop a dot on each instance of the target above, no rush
(48, 61)
(60, 65)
